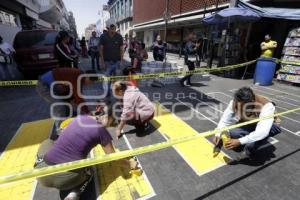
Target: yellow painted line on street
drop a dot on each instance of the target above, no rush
(197, 153)
(116, 183)
(20, 155)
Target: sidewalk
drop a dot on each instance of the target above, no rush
(85, 64)
(171, 57)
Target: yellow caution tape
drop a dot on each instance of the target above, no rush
(141, 76)
(18, 83)
(176, 73)
(35, 173)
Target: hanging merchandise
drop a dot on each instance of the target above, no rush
(291, 53)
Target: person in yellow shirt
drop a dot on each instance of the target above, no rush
(268, 47)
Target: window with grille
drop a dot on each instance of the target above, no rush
(7, 18)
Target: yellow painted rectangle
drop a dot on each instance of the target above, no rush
(115, 182)
(20, 155)
(197, 153)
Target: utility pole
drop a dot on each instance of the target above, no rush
(167, 17)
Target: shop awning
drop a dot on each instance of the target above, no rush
(272, 12)
(232, 15)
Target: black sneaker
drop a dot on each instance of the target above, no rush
(140, 130)
(182, 83)
(242, 156)
(189, 84)
(147, 126)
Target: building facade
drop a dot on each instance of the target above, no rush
(122, 12)
(89, 30)
(104, 16)
(184, 17)
(72, 24)
(55, 13)
(17, 15)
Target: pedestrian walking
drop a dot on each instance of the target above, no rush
(83, 46)
(189, 52)
(125, 42)
(159, 49)
(62, 50)
(94, 50)
(199, 51)
(111, 51)
(6, 50)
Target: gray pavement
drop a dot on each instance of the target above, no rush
(276, 172)
(275, 176)
(9, 72)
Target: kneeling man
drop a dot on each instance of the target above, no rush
(247, 106)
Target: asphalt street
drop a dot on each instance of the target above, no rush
(276, 174)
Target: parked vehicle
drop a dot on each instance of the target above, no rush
(35, 51)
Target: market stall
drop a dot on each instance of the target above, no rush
(290, 71)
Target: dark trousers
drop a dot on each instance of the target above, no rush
(191, 66)
(6, 58)
(159, 58)
(251, 148)
(139, 124)
(186, 78)
(62, 181)
(95, 56)
(136, 121)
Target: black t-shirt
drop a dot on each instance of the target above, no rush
(111, 47)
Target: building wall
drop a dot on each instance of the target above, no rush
(54, 12)
(10, 23)
(148, 10)
(8, 33)
(72, 24)
(101, 23)
(121, 11)
(89, 30)
(148, 38)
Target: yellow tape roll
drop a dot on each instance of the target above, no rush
(65, 123)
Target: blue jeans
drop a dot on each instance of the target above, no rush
(111, 68)
(252, 148)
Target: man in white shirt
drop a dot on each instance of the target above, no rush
(244, 107)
